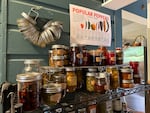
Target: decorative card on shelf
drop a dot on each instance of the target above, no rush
(89, 27)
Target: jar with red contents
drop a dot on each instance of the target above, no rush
(29, 86)
(75, 55)
(111, 57)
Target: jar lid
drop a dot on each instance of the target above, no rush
(28, 77)
(126, 70)
(58, 46)
(74, 45)
(90, 74)
(70, 69)
(127, 81)
(92, 69)
(57, 57)
(52, 88)
(102, 74)
(32, 61)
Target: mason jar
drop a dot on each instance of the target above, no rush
(29, 86)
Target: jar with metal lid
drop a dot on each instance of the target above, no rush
(100, 84)
(71, 79)
(114, 77)
(58, 61)
(90, 81)
(31, 65)
(51, 94)
(60, 78)
(58, 50)
(126, 74)
(29, 86)
(127, 84)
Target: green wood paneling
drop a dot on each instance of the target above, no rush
(44, 12)
(18, 45)
(57, 3)
(2, 67)
(1, 42)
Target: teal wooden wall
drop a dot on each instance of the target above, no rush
(14, 49)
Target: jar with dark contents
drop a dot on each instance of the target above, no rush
(51, 94)
(100, 84)
(86, 57)
(80, 81)
(71, 79)
(74, 55)
(119, 55)
(29, 86)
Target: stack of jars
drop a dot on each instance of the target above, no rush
(136, 75)
(126, 77)
(58, 56)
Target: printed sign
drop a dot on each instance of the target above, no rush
(89, 27)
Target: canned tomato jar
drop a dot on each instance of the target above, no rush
(29, 86)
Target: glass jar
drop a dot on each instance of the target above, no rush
(100, 84)
(127, 84)
(126, 74)
(31, 65)
(51, 94)
(79, 74)
(51, 63)
(59, 50)
(119, 55)
(90, 81)
(75, 55)
(114, 77)
(111, 57)
(91, 107)
(58, 61)
(117, 105)
(71, 79)
(29, 86)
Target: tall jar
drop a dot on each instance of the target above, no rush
(71, 79)
(114, 77)
(90, 81)
(29, 86)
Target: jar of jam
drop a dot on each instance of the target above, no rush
(51, 94)
(100, 84)
(119, 56)
(114, 77)
(126, 74)
(90, 81)
(71, 79)
(75, 55)
(127, 84)
(58, 50)
(58, 61)
(111, 58)
(29, 86)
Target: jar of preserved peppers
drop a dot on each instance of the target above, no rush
(29, 86)
(71, 79)
(90, 81)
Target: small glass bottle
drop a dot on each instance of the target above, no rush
(71, 79)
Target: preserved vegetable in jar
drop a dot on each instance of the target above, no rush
(58, 61)
(71, 79)
(114, 77)
(59, 50)
(29, 86)
(51, 94)
(90, 81)
(100, 84)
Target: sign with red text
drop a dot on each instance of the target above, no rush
(89, 27)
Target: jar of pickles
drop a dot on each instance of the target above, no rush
(59, 50)
(71, 79)
(114, 77)
(90, 81)
(29, 86)
(51, 94)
